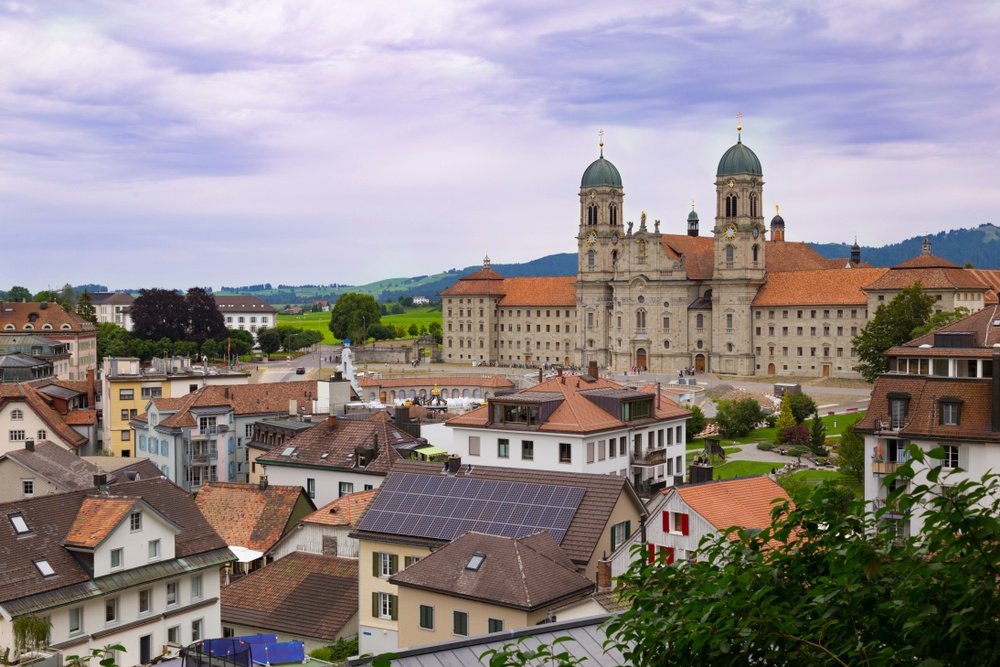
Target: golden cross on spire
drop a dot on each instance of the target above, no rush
(601, 143)
(692, 203)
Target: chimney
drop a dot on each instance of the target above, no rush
(29, 445)
(454, 463)
(603, 575)
(331, 421)
(90, 388)
(559, 371)
(100, 480)
(338, 376)
(995, 380)
(262, 484)
(592, 369)
(541, 376)
(659, 393)
(293, 406)
(402, 414)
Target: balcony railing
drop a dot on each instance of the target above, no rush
(884, 467)
(652, 457)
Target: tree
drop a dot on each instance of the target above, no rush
(18, 293)
(31, 633)
(892, 325)
(382, 331)
(85, 307)
(435, 330)
(939, 320)
(50, 296)
(817, 436)
(269, 341)
(67, 296)
(186, 348)
(737, 418)
(697, 422)
(210, 349)
(802, 405)
(851, 454)
(112, 341)
(823, 585)
(413, 330)
(351, 316)
(786, 419)
(203, 319)
(159, 313)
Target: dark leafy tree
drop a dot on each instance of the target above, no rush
(351, 316)
(413, 330)
(18, 293)
(159, 313)
(382, 331)
(801, 405)
(797, 435)
(939, 320)
(435, 330)
(203, 317)
(892, 325)
(67, 296)
(85, 307)
(186, 348)
(697, 422)
(737, 418)
(50, 296)
(269, 340)
(851, 454)
(210, 349)
(817, 436)
(113, 341)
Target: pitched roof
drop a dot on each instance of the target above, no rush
(589, 521)
(990, 278)
(930, 277)
(332, 444)
(344, 511)
(501, 381)
(56, 464)
(39, 404)
(698, 253)
(302, 594)
(248, 399)
(527, 573)
(554, 291)
(41, 314)
(483, 281)
(50, 519)
(97, 517)
(576, 413)
(745, 502)
(124, 468)
(792, 256)
(243, 304)
(833, 287)
(111, 298)
(246, 516)
(984, 325)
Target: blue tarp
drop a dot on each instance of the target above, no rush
(235, 645)
(277, 653)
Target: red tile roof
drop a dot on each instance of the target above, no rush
(249, 399)
(833, 287)
(343, 511)
(97, 518)
(38, 403)
(41, 314)
(930, 278)
(245, 516)
(745, 502)
(302, 594)
(555, 291)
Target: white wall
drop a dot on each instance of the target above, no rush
(135, 544)
(308, 537)
(327, 481)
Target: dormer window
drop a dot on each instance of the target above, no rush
(950, 411)
(515, 414)
(637, 409)
(899, 405)
(20, 525)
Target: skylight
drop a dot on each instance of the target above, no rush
(475, 562)
(20, 526)
(288, 451)
(44, 567)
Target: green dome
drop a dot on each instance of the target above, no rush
(739, 160)
(601, 172)
(692, 217)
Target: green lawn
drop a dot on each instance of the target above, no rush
(817, 477)
(743, 469)
(320, 321)
(418, 315)
(768, 434)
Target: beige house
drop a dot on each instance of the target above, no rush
(421, 507)
(480, 584)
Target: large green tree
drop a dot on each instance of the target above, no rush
(737, 418)
(269, 340)
(159, 313)
(825, 586)
(851, 454)
(18, 293)
(85, 307)
(113, 341)
(892, 325)
(352, 315)
(696, 423)
(939, 320)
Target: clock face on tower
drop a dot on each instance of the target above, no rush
(591, 238)
(729, 232)
(756, 232)
(614, 238)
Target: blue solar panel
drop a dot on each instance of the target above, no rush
(442, 508)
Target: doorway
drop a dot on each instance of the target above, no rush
(567, 363)
(699, 363)
(145, 649)
(770, 369)
(640, 358)
(826, 370)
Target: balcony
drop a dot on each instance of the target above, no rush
(652, 457)
(884, 467)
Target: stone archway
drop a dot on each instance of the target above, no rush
(640, 358)
(770, 369)
(699, 363)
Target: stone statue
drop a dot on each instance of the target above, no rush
(629, 232)
(642, 221)
(656, 227)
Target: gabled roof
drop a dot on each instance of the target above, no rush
(41, 314)
(243, 304)
(50, 519)
(576, 413)
(97, 518)
(990, 278)
(830, 287)
(111, 298)
(587, 525)
(344, 511)
(331, 444)
(984, 325)
(57, 465)
(301, 594)
(527, 573)
(485, 281)
(745, 502)
(39, 404)
(545, 291)
(932, 272)
(244, 399)
(246, 516)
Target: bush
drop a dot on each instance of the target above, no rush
(342, 649)
(796, 436)
(799, 450)
(765, 446)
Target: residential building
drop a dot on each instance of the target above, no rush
(46, 468)
(578, 423)
(19, 367)
(137, 566)
(252, 519)
(941, 391)
(480, 584)
(683, 516)
(733, 302)
(421, 507)
(53, 321)
(392, 390)
(114, 307)
(338, 457)
(127, 387)
(305, 597)
(268, 434)
(47, 412)
(53, 352)
(248, 313)
(328, 530)
(202, 437)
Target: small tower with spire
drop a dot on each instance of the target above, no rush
(692, 221)
(855, 251)
(777, 225)
(925, 247)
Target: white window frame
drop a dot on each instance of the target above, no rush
(154, 549)
(196, 587)
(148, 607)
(111, 604)
(118, 553)
(78, 613)
(173, 593)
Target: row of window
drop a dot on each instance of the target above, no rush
(31, 327)
(510, 312)
(800, 314)
(812, 351)
(241, 319)
(19, 435)
(155, 445)
(813, 331)
(113, 612)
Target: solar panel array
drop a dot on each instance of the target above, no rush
(443, 507)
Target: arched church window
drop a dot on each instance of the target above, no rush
(729, 347)
(613, 214)
(699, 322)
(614, 256)
(753, 205)
(591, 259)
(731, 206)
(640, 319)
(730, 256)
(592, 214)
(756, 250)
(666, 345)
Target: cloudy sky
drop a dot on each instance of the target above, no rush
(205, 142)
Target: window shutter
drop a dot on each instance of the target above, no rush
(613, 544)
(393, 564)
(666, 522)
(394, 607)
(628, 529)
(670, 555)
(375, 609)
(375, 571)
(651, 548)
(684, 524)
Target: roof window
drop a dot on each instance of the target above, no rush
(475, 562)
(288, 451)
(44, 567)
(20, 525)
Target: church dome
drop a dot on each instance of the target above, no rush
(692, 216)
(739, 160)
(601, 172)
(777, 220)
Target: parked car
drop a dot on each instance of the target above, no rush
(301, 370)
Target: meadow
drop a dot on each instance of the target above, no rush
(320, 321)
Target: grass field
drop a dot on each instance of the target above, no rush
(743, 469)
(320, 321)
(817, 477)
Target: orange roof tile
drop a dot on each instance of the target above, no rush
(41, 314)
(344, 511)
(97, 518)
(832, 287)
(990, 278)
(245, 516)
(555, 291)
(746, 502)
(930, 278)
(81, 417)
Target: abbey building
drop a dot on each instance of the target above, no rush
(738, 300)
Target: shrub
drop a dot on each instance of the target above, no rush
(765, 446)
(798, 450)
(795, 436)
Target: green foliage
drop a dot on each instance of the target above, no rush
(344, 648)
(851, 454)
(210, 349)
(765, 446)
(105, 657)
(828, 585)
(817, 436)
(800, 450)
(85, 307)
(939, 320)
(801, 405)
(697, 422)
(543, 655)
(18, 293)
(435, 330)
(786, 419)
(382, 331)
(738, 417)
(112, 341)
(892, 325)
(269, 341)
(351, 316)
(413, 330)
(31, 633)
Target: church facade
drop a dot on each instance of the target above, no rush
(739, 300)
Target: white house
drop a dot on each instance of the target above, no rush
(137, 566)
(578, 424)
(248, 313)
(327, 530)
